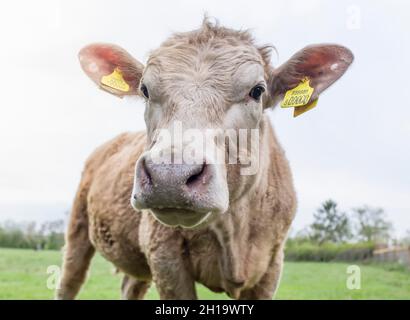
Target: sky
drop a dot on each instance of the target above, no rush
(353, 147)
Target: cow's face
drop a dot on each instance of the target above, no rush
(197, 96)
(205, 93)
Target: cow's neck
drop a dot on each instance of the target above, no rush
(244, 230)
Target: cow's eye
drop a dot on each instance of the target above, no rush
(144, 91)
(257, 92)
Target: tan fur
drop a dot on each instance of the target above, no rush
(240, 252)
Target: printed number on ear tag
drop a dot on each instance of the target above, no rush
(116, 81)
(298, 96)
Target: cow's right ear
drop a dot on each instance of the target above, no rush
(112, 68)
(322, 64)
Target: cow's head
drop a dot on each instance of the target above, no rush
(202, 88)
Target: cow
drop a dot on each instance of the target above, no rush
(196, 219)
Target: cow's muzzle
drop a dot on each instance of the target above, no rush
(179, 194)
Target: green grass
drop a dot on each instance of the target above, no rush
(23, 276)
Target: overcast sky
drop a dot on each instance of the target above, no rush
(353, 147)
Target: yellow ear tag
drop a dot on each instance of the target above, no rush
(115, 80)
(299, 110)
(298, 96)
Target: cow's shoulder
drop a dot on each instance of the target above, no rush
(109, 172)
(122, 142)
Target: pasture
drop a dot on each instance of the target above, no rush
(23, 275)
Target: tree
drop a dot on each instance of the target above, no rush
(406, 238)
(26, 235)
(330, 224)
(372, 225)
(53, 234)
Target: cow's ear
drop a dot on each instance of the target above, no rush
(111, 68)
(322, 64)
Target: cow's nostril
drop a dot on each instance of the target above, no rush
(145, 175)
(197, 176)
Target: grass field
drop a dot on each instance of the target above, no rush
(23, 276)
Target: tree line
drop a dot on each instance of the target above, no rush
(335, 234)
(331, 228)
(28, 235)
(362, 224)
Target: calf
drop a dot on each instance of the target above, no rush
(159, 207)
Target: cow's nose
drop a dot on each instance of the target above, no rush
(182, 179)
(179, 194)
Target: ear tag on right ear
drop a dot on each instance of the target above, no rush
(116, 81)
(298, 96)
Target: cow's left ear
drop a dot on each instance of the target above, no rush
(322, 64)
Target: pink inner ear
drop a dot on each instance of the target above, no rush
(318, 61)
(323, 64)
(98, 60)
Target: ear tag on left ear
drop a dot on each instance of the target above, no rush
(299, 110)
(116, 81)
(298, 96)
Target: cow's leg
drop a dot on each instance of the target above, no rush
(133, 289)
(266, 288)
(78, 252)
(169, 266)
